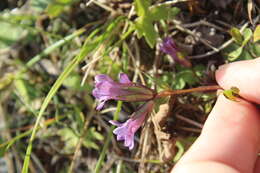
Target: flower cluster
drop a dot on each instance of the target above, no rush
(125, 90)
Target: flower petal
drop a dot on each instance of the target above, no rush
(102, 78)
(123, 78)
(132, 145)
(115, 123)
(101, 104)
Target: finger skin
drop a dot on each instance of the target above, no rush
(231, 135)
(257, 165)
(205, 166)
(242, 74)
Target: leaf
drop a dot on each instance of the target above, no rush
(173, 12)
(232, 93)
(73, 81)
(70, 139)
(92, 135)
(144, 23)
(236, 35)
(142, 6)
(21, 86)
(39, 5)
(257, 34)
(247, 34)
(185, 77)
(145, 28)
(159, 13)
(10, 34)
(6, 80)
(180, 152)
(255, 48)
(235, 54)
(54, 10)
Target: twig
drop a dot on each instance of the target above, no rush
(136, 160)
(157, 135)
(180, 27)
(80, 141)
(223, 46)
(190, 129)
(203, 22)
(169, 3)
(144, 147)
(187, 120)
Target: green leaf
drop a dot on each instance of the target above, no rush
(247, 34)
(235, 54)
(257, 34)
(6, 80)
(39, 5)
(159, 13)
(142, 6)
(236, 35)
(21, 86)
(180, 152)
(54, 10)
(91, 136)
(246, 55)
(145, 28)
(232, 93)
(185, 77)
(70, 139)
(10, 34)
(173, 12)
(255, 48)
(73, 81)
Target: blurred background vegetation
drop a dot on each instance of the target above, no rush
(50, 50)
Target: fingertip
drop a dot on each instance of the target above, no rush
(204, 167)
(242, 74)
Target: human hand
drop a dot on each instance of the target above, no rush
(230, 139)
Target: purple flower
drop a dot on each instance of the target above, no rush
(169, 47)
(126, 131)
(125, 90)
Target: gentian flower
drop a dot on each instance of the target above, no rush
(126, 131)
(125, 90)
(169, 47)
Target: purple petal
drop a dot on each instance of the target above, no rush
(120, 137)
(102, 77)
(127, 142)
(115, 123)
(132, 145)
(101, 104)
(123, 78)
